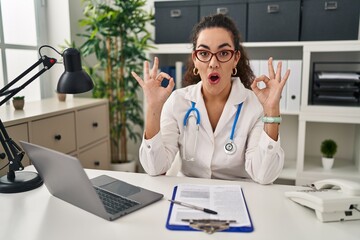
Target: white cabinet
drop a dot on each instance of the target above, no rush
(304, 125)
(78, 126)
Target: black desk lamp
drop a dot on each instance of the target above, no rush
(73, 80)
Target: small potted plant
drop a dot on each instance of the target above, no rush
(328, 150)
(61, 96)
(18, 102)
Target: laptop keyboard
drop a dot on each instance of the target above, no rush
(114, 203)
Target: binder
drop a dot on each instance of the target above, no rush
(294, 86)
(186, 227)
(255, 67)
(179, 69)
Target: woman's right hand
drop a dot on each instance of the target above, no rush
(154, 93)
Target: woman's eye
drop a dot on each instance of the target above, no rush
(224, 53)
(204, 54)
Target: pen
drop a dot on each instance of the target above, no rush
(193, 207)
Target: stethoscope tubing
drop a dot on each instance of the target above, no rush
(235, 121)
(193, 108)
(230, 144)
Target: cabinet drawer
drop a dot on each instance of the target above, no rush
(174, 20)
(17, 133)
(330, 20)
(57, 133)
(235, 9)
(92, 124)
(96, 157)
(274, 20)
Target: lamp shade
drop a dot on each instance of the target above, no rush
(74, 79)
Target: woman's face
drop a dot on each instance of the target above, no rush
(215, 75)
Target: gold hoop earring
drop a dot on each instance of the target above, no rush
(234, 72)
(195, 71)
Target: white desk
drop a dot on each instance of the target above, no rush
(37, 215)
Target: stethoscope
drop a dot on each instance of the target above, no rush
(229, 147)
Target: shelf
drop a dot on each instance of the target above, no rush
(332, 46)
(177, 48)
(331, 114)
(318, 46)
(342, 168)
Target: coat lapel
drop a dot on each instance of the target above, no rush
(237, 96)
(195, 95)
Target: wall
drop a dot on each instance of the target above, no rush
(58, 29)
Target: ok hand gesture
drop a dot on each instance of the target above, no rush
(269, 96)
(155, 94)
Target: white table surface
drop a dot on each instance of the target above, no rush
(37, 215)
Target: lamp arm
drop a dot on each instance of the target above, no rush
(48, 63)
(13, 151)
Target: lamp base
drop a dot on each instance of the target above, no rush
(24, 181)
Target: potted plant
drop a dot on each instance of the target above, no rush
(18, 102)
(328, 150)
(116, 33)
(61, 96)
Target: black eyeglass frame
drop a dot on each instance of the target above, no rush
(212, 54)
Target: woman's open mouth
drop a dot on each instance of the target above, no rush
(214, 78)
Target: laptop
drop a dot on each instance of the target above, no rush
(103, 196)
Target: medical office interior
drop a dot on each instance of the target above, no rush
(312, 109)
(317, 39)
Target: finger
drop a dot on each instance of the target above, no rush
(138, 79)
(171, 84)
(155, 67)
(278, 71)
(162, 75)
(146, 71)
(262, 78)
(285, 78)
(254, 86)
(271, 68)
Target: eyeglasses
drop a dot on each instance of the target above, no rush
(222, 56)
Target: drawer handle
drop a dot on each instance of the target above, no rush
(175, 13)
(274, 8)
(222, 10)
(57, 137)
(97, 163)
(293, 97)
(95, 124)
(330, 5)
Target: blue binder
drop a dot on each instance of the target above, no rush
(188, 228)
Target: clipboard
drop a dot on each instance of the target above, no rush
(186, 227)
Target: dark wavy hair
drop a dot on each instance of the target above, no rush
(221, 21)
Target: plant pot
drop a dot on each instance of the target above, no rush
(327, 163)
(18, 104)
(129, 166)
(61, 97)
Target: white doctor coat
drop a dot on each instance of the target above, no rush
(257, 155)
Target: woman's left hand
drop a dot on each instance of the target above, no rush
(270, 95)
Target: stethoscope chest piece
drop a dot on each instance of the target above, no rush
(230, 148)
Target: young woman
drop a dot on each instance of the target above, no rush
(222, 124)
